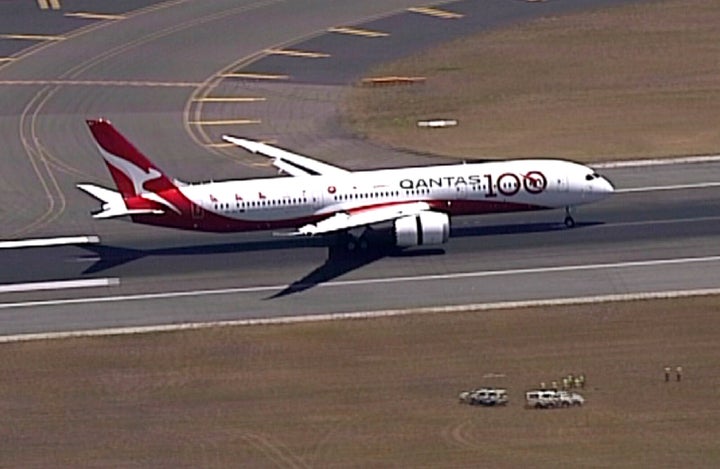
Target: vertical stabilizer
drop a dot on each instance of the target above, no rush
(133, 173)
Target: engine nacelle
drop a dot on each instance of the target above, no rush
(423, 229)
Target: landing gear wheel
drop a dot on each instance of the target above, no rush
(569, 220)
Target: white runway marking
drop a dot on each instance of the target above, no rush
(362, 315)
(370, 281)
(58, 285)
(657, 162)
(45, 242)
(699, 185)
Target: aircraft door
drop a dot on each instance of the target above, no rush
(197, 211)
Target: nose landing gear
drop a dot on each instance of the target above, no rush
(569, 220)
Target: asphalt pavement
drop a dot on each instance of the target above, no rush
(148, 71)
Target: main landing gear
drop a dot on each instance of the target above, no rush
(569, 220)
(354, 240)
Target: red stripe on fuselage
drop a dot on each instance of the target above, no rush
(198, 219)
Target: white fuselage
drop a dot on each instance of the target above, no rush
(458, 189)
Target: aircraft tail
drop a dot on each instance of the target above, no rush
(134, 174)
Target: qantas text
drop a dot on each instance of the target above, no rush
(534, 182)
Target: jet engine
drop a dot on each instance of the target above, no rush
(422, 229)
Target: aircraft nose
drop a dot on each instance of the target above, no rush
(605, 186)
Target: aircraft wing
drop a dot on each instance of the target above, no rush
(362, 217)
(291, 163)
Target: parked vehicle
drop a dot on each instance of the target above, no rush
(552, 398)
(484, 397)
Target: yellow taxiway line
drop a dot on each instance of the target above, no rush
(49, 4)
(255, 76)
(357, 32)
(32, 37)
(229, 99)
(227, 122)
(297, 53)
(392, 80)
(436, 12)
(6, 59)
(94, 16)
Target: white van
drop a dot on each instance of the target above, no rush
(551, 398)
(485, 396)
(542, 399)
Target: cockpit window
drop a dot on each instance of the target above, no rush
(592, 176)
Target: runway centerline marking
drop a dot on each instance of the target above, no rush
(357, 32)
(229, 99)
(180, 84)
(699, 185)
(94, 16)
(32, 37)
(45, 242)
(657, 162)
(297, 53)
(58, 285)
(371, 281)
(435, 12)
(227, 122)
(254, 76)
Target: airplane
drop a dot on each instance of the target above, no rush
(322, 199)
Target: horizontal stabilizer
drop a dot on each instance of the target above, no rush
(113, 204)
(291, 163)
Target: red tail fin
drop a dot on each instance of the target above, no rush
(132, 172)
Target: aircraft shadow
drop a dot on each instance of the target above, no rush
(110, 257)
(339, 261)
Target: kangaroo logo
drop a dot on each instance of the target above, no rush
(138, 177)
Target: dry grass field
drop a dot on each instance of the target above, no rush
(374, 393)
(635, 81)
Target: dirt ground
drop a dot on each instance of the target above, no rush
(374, 393)
(636, 81)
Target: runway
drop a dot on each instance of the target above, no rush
(151, 74)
